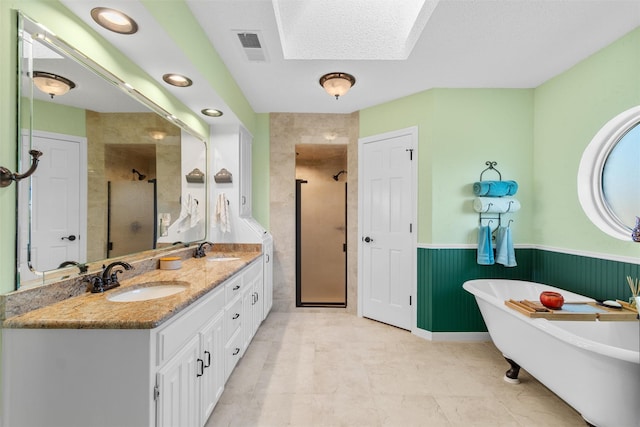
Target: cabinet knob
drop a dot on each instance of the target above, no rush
(235, 316)
(236, 287)
(208, 359)
(236, 351)
(201, 368)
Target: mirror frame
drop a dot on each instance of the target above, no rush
(59, 45)
(590, 171)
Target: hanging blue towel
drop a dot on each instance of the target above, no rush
(505, 254)
(495, 188)
(485, 246)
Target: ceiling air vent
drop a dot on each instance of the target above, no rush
(252, 46)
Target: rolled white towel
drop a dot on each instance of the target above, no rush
(496, 204)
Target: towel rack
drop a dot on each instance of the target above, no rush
(491, 167)
(489, 218)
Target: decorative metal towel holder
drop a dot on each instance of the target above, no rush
(7, 177)
(490, 217)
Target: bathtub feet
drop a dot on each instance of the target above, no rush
(511, 376)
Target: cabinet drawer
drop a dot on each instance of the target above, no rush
(232, 353)
(172, 337)
(233, 288)
(233, 318)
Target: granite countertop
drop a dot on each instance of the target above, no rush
(95, 311)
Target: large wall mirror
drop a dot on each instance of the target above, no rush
(609, 176)
(112, 178)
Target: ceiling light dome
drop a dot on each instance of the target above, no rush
(114, 20)
(211, 112)
(337, 84)
(52, 84)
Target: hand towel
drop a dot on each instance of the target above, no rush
(189, 214)
(495, 188)
(496, 204)
(222, 218)
(485, 246)
(505, 254)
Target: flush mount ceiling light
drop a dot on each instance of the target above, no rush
(114, 20)
(337, 84)
(211, 112)
(52, 84)
(177, 80)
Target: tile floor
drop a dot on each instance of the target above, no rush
(335, 369)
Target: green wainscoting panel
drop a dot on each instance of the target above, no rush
(594, 277)
(443, 306)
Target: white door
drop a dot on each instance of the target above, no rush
(57, 233)
(387, 229)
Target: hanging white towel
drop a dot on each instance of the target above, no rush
(222, 217)
(496, 204)
(189, 215)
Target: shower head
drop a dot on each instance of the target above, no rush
(140, 176)
(336, 176)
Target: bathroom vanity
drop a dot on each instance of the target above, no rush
(89, 361)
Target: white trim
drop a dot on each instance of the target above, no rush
(413, 132)
(590, 170)
(588, 254)
(452, 336)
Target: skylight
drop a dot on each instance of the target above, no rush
(351, 29)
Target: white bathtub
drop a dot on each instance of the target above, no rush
(594, 366)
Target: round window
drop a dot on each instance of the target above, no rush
(609, 175)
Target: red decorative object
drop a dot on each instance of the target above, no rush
(552, 300)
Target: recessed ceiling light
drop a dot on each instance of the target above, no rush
(114, 20)
(177, 80)
(211, 112)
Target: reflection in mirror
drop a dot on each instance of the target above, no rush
(609, 176)
(621, 178)
(111, 180)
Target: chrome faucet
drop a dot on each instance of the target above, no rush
(200, 253)
(109, 278)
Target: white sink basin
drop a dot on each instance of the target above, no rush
(223, 258)
(148, 291)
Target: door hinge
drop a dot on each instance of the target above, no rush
(410, 150)
(410, 300)
(156, 392)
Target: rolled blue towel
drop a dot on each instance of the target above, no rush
(495, 188)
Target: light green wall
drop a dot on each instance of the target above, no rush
(459, 130)
(50, 117)
(569, 111)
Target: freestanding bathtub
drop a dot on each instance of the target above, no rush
(594, 366)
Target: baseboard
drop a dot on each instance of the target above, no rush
(452, 336)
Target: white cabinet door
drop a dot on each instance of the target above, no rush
(212, 353)
(245, 172)
(267, 284)
(178, 384)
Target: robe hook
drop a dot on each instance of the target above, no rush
(7, 177)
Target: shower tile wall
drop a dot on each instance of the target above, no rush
(287, 130)
(112, 129)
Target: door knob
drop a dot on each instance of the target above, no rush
(368, 239)
(71, 238)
